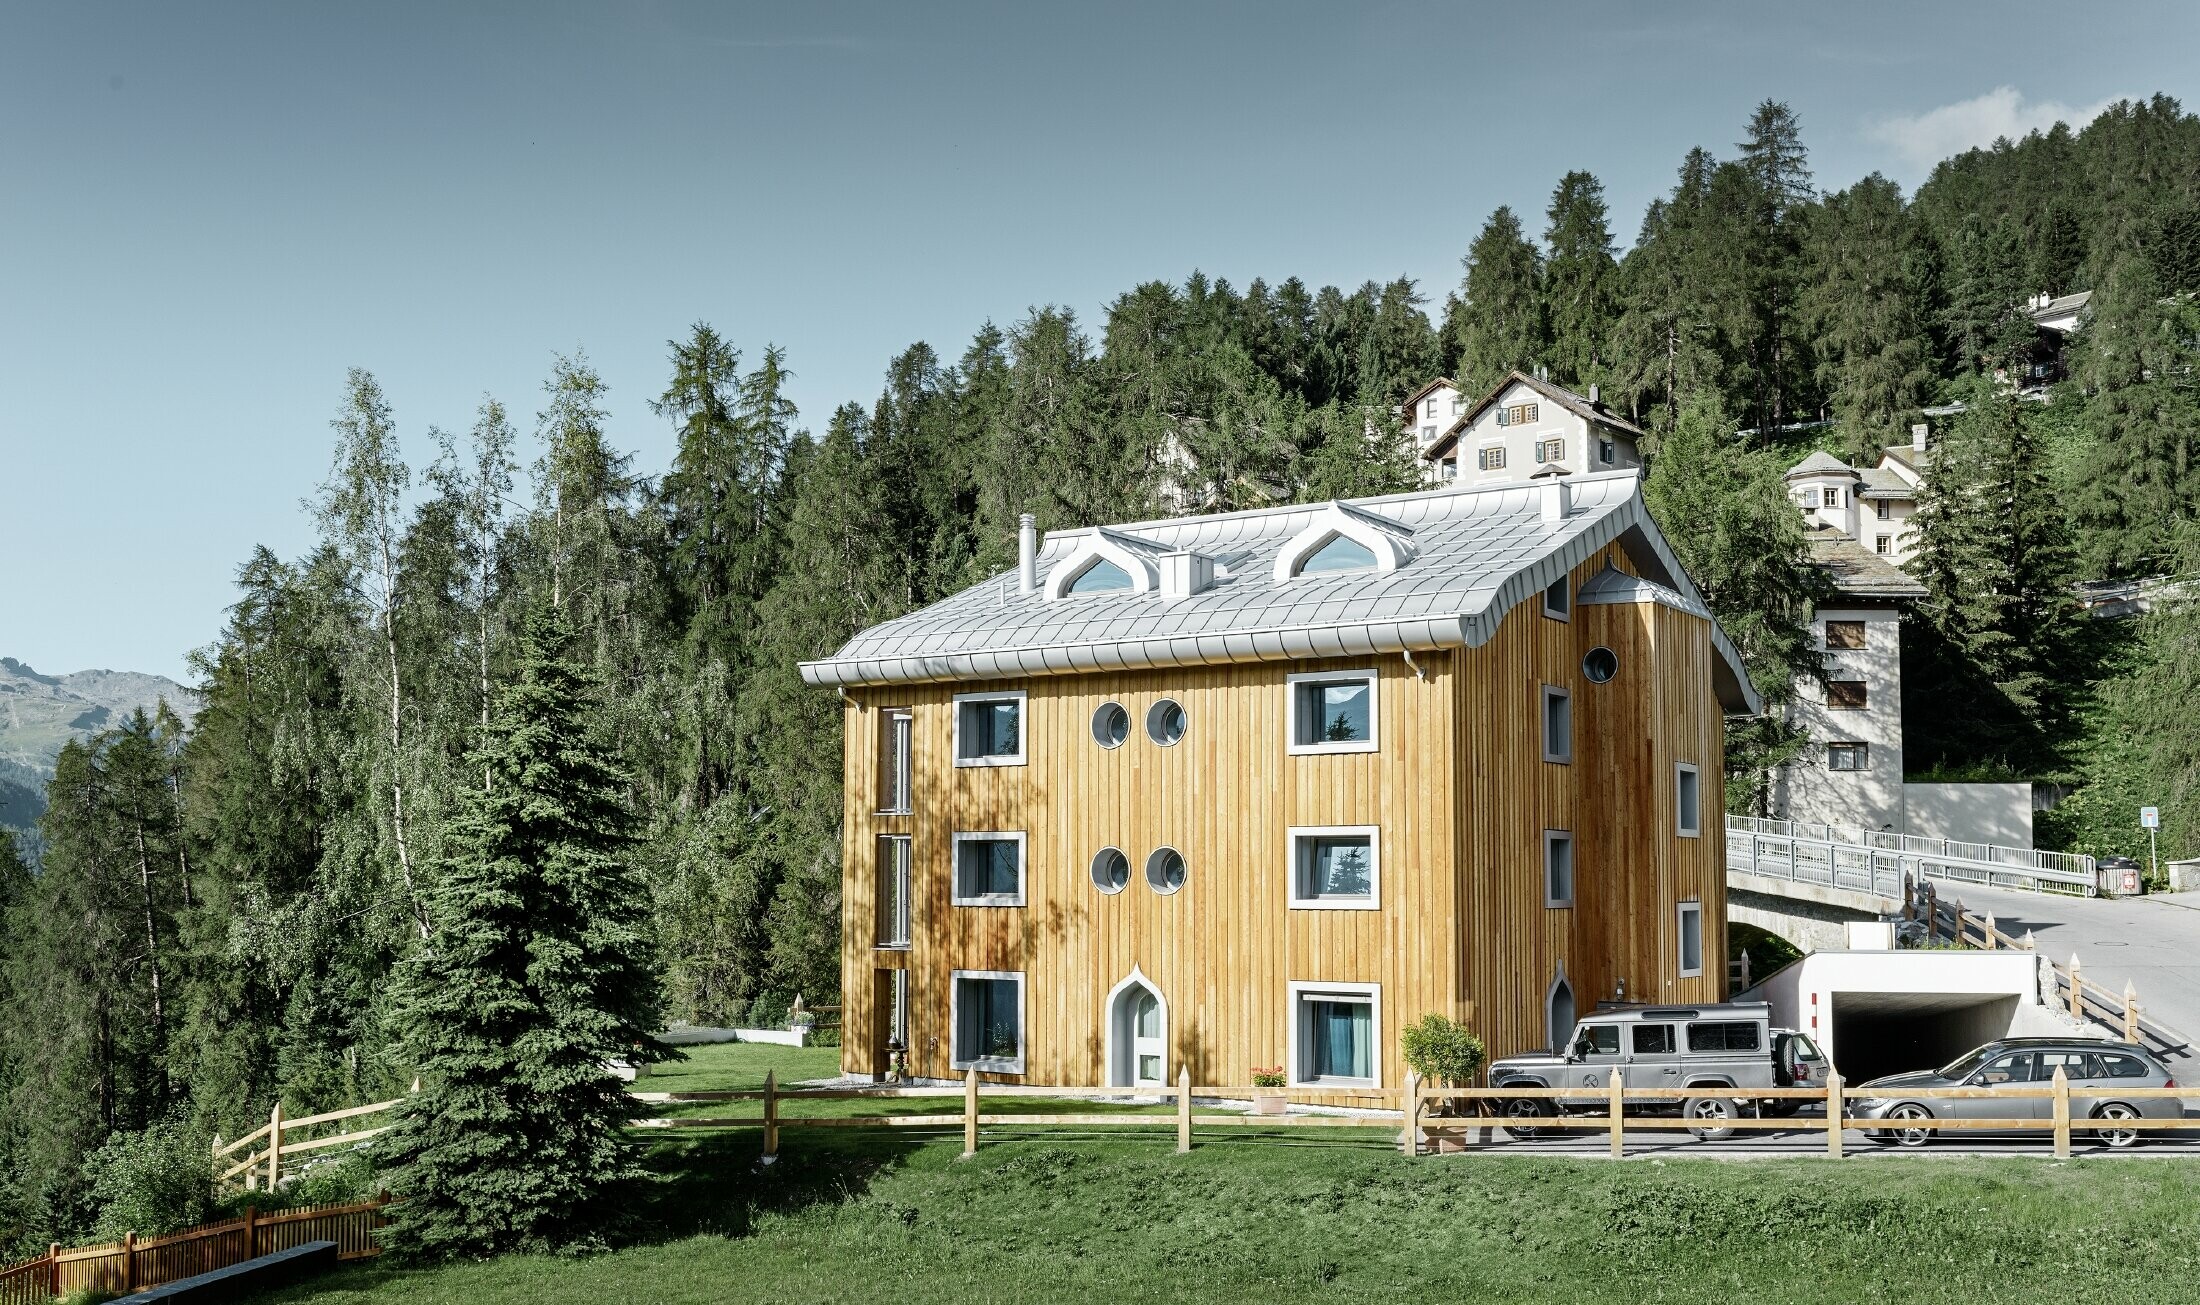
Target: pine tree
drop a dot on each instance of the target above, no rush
(1866, 315)
(1668, 347)
(1501, 326)
(1773, 209)
(539, 971)
(2136, 359)
(1579, 278)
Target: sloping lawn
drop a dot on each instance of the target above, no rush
(1333, 1215)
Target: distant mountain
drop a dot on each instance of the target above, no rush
(39, 713)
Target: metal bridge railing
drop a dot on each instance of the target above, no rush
(1875, 861)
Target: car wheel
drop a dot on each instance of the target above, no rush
(2118, 1137)
(1524, 1115)
(1901, 1136)
(1712, 1117)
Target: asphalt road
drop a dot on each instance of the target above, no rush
(2152, 942)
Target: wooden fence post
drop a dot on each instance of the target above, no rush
(1932, 914)
(129, 1262)
(771, 1116)
(1991, 944)
(2077, 999)
(1619, 1111)
(1184, 1110)
(251, 1232)
(1409, 1140)
(2131, 1012)
(275, 1147)
(2029, 942)
(53, 1268)
(1834, 1110)
(1956, 935)
(970, 1113)
(216, 1159)
(2062, 1114)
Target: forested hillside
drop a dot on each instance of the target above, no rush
(220, 908)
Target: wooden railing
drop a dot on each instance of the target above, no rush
(1408, 1114)
(263, 1167)
(132, 1265)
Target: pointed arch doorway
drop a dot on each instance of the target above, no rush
(1560, 1002)
(1137, 1033)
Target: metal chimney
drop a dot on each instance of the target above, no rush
(1596, 393)
(1027, 553)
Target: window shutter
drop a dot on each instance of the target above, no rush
(1504, 416)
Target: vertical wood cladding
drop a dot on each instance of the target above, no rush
(1457, 787)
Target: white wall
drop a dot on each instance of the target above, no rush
(1871, 798)
(1803, 995)
(1970, 813)
(1433, 415)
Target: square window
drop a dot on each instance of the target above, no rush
(1687, 800)
(1883, 545)
(1428, 434)
(1335, 1033)
(1652, 1039)
(1336, 867)
(989, 869)
(1332, 712)
(989, 729)
(1691, 931)
(1846, 695)
(1848, 756)
(1558, 724)
(1558, 867)
(987, 1015)
(1844, 634)
(1831, 498)
(1558, 599)
(896, 726)
(1492, 459)
(1550, 451)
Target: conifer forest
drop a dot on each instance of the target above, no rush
(215, 916)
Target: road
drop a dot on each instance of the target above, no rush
(2151, 942)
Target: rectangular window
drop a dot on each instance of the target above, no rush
(1335, 1031)
(1336, 867)
(1723, 1035)
(1332, 712)
(1429, 409)
(1558, 724)
(1491, 459)
(895, 730)
(1526, 414)
(1550, 450)
(1848, 756)
(1883, 545)
(1832, 498)
(988, 1018)
(1691, 922)
(1687, 800)
(1652, 1039)
(989, 729)
(1844, 634)
(989, 869)
(1558, 599)
(1607, 452)
(1885, 509)
(1558, 867)
(1846, 695)
(893, 891)
(1428, 434)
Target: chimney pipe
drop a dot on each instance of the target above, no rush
(1027, 553)
(1917, 437)
(1596, 393)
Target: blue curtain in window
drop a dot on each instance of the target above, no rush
(1343, 1039)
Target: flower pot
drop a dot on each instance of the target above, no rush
(1268, 1101)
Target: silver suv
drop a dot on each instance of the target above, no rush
(1727, 1048)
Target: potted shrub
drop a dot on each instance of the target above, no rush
(1444, 1053)
(1268, 1098)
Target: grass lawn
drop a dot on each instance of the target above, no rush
(1330, 1215)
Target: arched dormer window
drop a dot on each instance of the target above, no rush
(1343, 539)
(1105, 562)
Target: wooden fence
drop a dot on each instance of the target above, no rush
(263, 1167)
(132, 1265)
(1410, 1116)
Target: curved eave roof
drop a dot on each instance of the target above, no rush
(1480, 553)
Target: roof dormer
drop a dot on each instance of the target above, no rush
(1106, 561)
(1344, 539)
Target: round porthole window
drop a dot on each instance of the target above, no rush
(1165, 870)
(1111, 870)
(1600, 665)
(1165, 722)
(1111, 725)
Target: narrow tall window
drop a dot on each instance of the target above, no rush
(1429, 410)
(989, 869)
(988, 1021)
(1558, 599)
(989, 729)
(1691, 931)
(893, 891)
(1687, 801)
(1885, 510)
(1558, 724)
(1558, 867)
(1607, 452)
(894, 735)
(1332, 712)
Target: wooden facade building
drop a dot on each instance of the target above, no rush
(1260, 789)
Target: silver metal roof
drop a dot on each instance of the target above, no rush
(1478, 552)
(1612, 585)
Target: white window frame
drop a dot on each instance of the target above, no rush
(1300, 991)
(1373, 741)
(1882, 545)
(1543, 723)
(1681, 912)
(1681, 825)
(954, 867)
(1374, 899)
(1023, 728)
(1565, 612)
(988, 1064)
(1552, 837)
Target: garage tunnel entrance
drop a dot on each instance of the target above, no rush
(1879, 1033)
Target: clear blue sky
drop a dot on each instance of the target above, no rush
(208, 212)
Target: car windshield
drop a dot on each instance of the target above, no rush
(1966, 1065)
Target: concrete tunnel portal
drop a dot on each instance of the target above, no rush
(1880, 1033)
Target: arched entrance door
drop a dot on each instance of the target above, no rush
(1561, 1012)
(1138, 1025)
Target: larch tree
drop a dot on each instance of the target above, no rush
(1579, 275)
(1501, 324)
(1865, 313)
